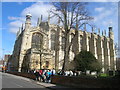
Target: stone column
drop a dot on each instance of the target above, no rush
(112, 55)
(23, 50)
(106, 54)
(61, 53)
(100, 53)
(57, 48)
(49, 37)
(72, 48)
(85, 45)
(112, 49)
(102, 56)
(79, 41)
(93, 47)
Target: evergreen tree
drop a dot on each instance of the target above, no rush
(85, 60)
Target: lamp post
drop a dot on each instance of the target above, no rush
(3, 53)
(40, 59)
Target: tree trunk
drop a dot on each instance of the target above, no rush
(66, 53)
(57, 45)
(75, 45)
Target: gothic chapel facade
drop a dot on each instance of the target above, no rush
(42, 47)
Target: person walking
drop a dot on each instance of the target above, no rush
(36, 73)
(53, 72)
(48, 76)
(41, 75)
(44, 75)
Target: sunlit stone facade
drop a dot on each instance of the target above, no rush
(42, 46)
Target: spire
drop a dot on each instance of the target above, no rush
(85, 26)
(110, 28)
(41, 18)
(111, 35)
(105, 32)
(58, 21)
(48, 18)
(19, 30)
(38, 22)
(17, 34)
(99, 31)
(22, 27)
(92, 29)
(102, 33)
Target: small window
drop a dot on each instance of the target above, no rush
(47, 64)
(36, 62)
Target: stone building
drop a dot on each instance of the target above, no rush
(42, 46)
(118, 63)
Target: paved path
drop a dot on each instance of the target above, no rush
(13, 81)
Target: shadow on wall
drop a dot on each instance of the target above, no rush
(86, 82)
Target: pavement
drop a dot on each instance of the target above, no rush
(46, 85)
(51, 86)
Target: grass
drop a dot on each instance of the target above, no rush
(100, 75)
(103, 75)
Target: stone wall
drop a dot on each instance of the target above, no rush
(86, 82)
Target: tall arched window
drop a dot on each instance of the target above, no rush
(81, 41)
(89, 42)
(63, 43)
(37, 40)
(53, 35)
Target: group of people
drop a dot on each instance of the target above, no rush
(44, 75)
(69, 73)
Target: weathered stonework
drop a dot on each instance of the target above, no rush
(42, 47)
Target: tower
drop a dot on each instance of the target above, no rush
(111, 35)
(28, 21)
(112, 50)
(25, 42)
(98, 31)
(49, 19)
(38, 22)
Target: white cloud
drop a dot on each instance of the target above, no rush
(102, 15)
(107, 17)
(14, 26)
(15, 23)
(12, 18)
(15, 18)
(14, 30)
(36, 10)
(100, 9)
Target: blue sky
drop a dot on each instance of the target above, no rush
(13, 15)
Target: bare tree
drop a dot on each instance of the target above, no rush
(72, 15)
